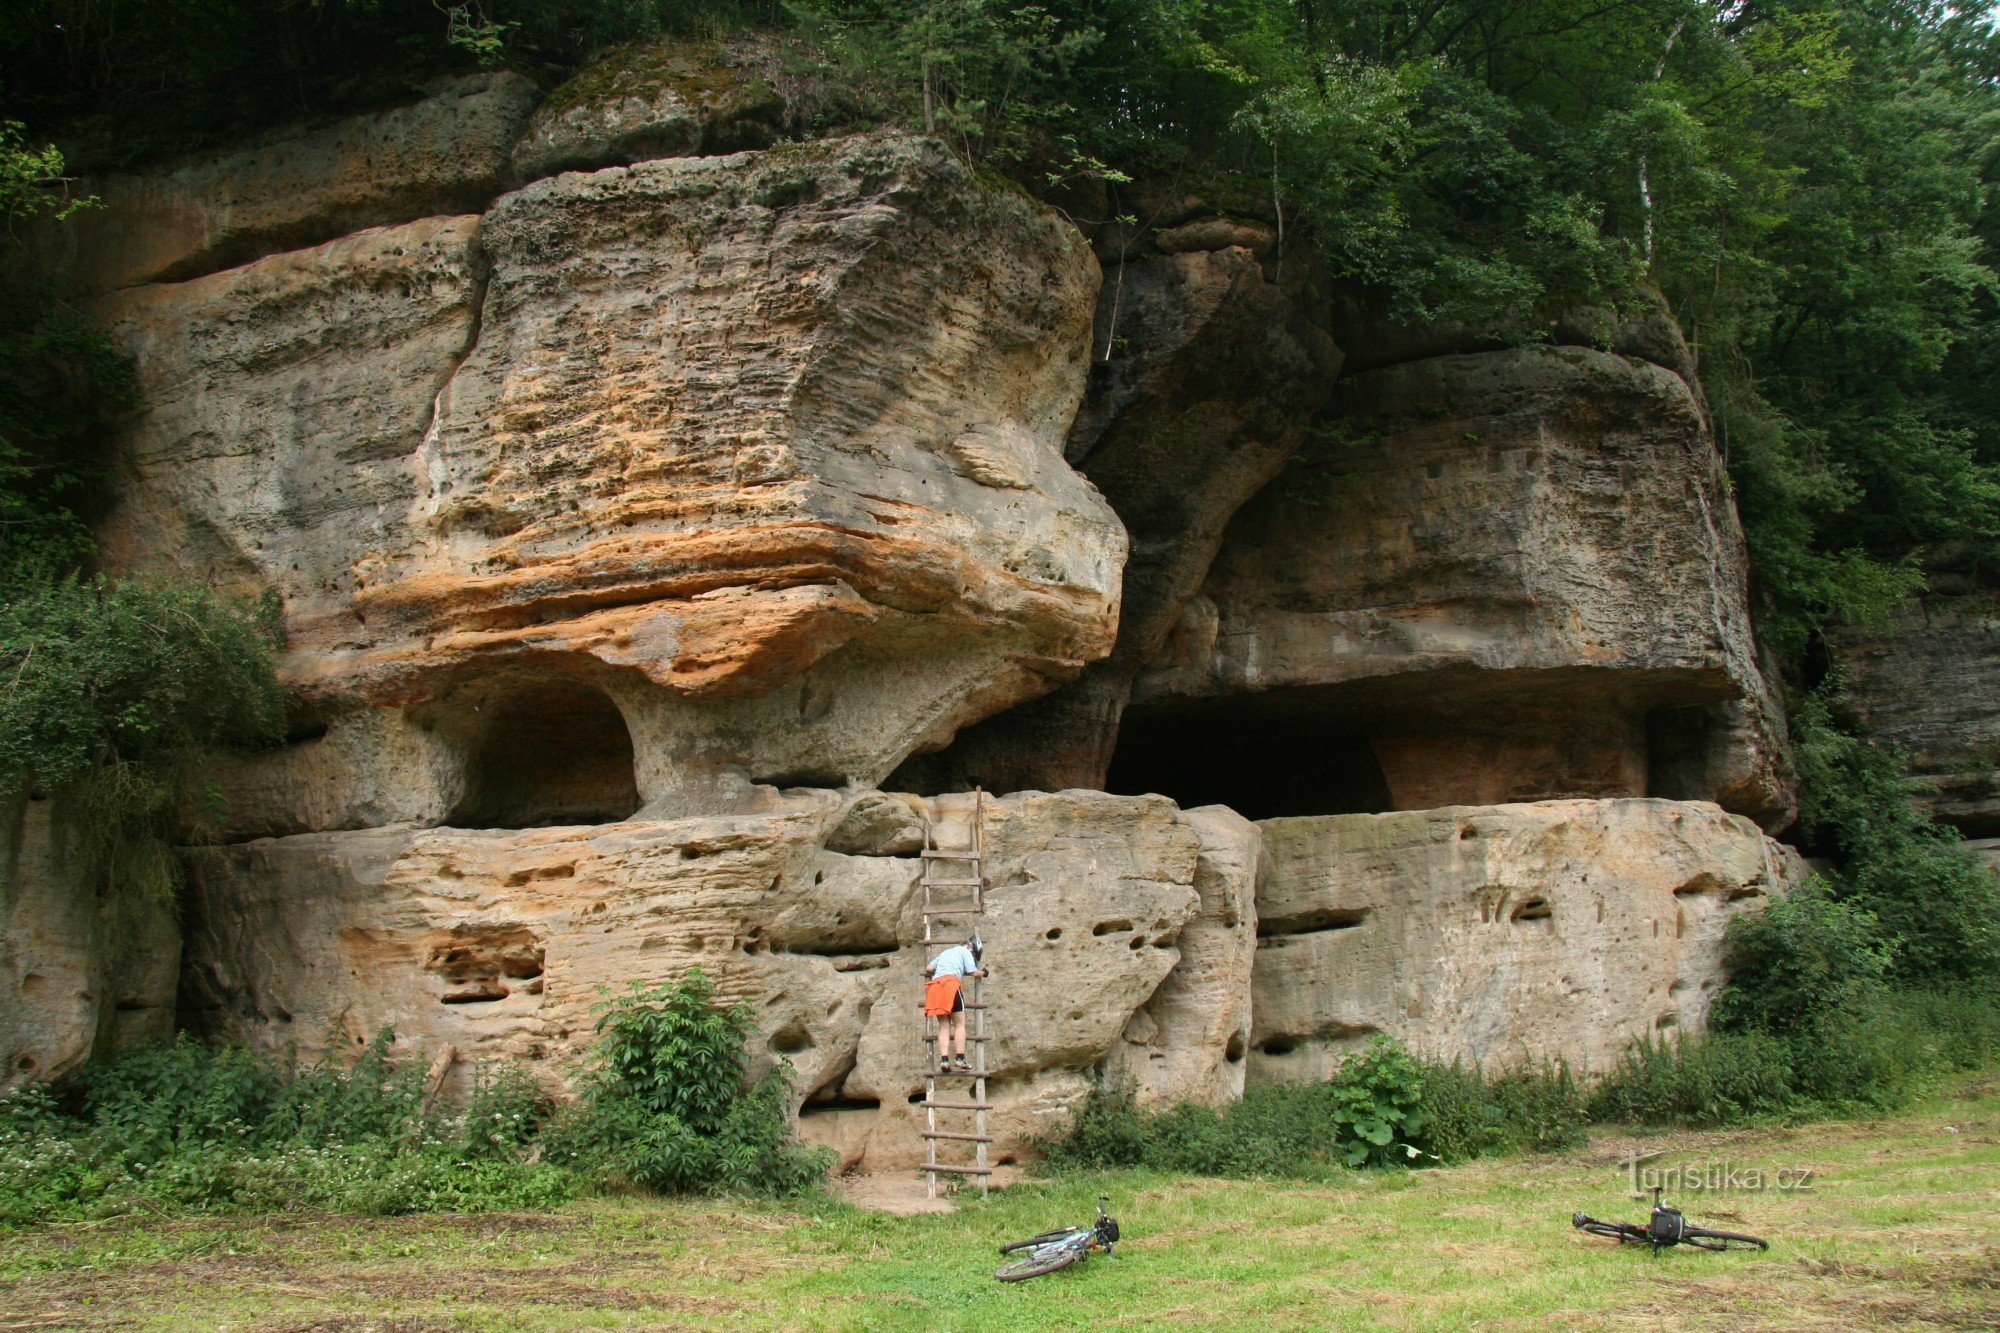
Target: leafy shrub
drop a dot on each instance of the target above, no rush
(664, 1104)
(1937, 909)
(1722, 1079)
(1468, 1113)
(1369, 1113)
(187, 1126)
(115, 688)
(1807, 965)
(1376, 1102)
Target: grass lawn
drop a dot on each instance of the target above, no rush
(1901, 1228)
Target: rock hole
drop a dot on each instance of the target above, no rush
(478, 993)
(538, 751)
(791, 1039)
(1316, 921)
(1265, 763)
(1279, 1045)
(1052, 934)
(823, 1105)
(1103, 928)
(1532, 909)
(25, 1064)
(1008, 1160)
(1233, 1052)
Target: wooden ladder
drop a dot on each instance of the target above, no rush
(956, 872)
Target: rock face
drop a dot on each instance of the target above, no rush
(1506, 576)
(447, 153)
(81, 973)
(687, 442)
(632, 527)
(1168, 1052)
(498, 943)
(1929, 687)
(1561, 930)
(666, 99)
(1208, 364)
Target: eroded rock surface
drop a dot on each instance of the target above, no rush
(663, 99)
(1502, 575)
(1929, 688)
(1508, 934)
(1187, 1043)
(82, 974)
(762, 449)
(297, 186)
(498, 942)
(1208, 364)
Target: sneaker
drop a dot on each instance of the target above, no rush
(960, 1065)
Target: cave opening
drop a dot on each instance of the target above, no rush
(1262, 764)
(544, 752)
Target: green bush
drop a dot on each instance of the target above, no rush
(187, 1126)
(1367, 1113)
(664, 1104)
(1468, 1113)
(1937, 909)
(1718, 1080)
(1807, 965)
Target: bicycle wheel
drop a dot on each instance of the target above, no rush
(1704, 1239)
(1042, 1239)
(1627, 1232)
(1048, 1259)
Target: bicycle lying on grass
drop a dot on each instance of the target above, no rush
(1055, 1250)
(1667, 1228)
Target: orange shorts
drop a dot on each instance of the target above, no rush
(941, 996)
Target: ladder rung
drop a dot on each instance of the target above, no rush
(974, 910)
(932, 1041)
(958, 1138)
(954, 1106)
(962, 1170)
(954, 883)
(969, 1006)
(931, 853)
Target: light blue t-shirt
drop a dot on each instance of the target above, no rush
(957, 961)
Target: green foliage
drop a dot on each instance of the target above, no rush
(664, 1104)
(187, 1126)
(1809, 965)
(1364, 1115)
(990, 77)
(103, 672)
(1877, 1053)
(1375, 1103)
(1937, 908)
(113, 689)
(1718, 1080)
(1469, 1113)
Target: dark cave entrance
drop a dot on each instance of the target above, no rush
(543, 752)
(1263, 765)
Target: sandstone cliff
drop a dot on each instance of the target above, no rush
(1929, 687)
(643, 491)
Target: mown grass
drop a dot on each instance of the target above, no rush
(1902, 1227)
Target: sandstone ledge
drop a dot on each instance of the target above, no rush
(1504, 935)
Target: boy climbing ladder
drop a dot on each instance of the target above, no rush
(953, 990)
(944, 1000)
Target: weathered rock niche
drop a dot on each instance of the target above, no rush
(667, 537)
